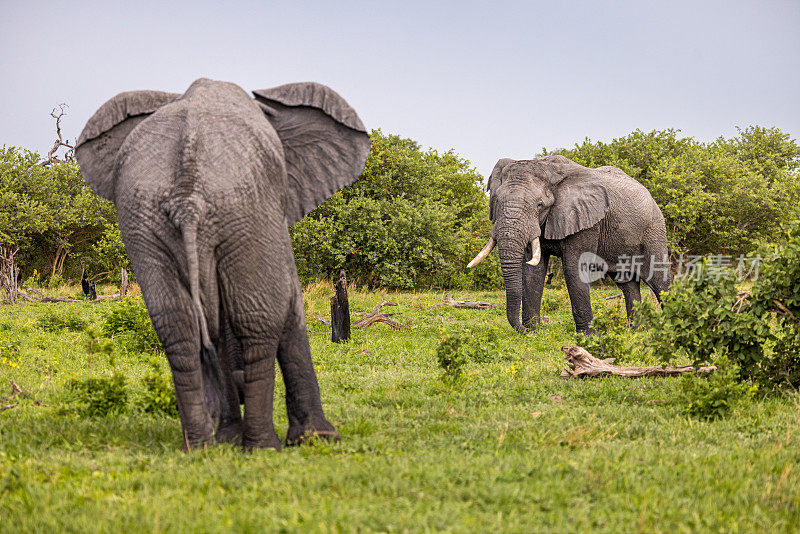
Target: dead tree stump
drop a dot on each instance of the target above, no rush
(340, 311)
(9, 273)
(123, 286)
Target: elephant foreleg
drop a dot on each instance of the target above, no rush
(533, 279)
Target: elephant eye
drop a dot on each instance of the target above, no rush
(540, 204)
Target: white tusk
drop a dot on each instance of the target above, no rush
(537, 253)
(482, 254)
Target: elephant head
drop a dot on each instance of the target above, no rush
(548, 198)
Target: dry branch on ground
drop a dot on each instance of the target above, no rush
(375, 316)
(469, 304)
(582, 364)
(16, 392)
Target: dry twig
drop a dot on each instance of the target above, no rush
(783, 309)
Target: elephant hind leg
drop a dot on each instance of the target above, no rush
(255, 304)
(230, 352)
(173, 314)
(303, 401)
(632, 293)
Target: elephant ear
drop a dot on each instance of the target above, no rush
(580, 203)
(101, 138)
(324, 142)
(494, 182)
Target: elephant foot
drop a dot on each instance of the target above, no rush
(534, 323)
(585, 330)
(264, 442)
(299, 434)
(229, 432)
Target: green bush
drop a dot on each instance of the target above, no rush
(34, 280)
(717, 198)
(712, 396)
(58, 318)
(100, 396)
(776, 294)
(50, 214)
(414, 219)
(551, 301)
(704, 315)
(159, 394)
(614, 337)
(707, 315)
(129, 323)
(457, 349)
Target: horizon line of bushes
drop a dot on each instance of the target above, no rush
(415, 217)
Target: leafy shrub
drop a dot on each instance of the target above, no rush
(55, 281)
(614, 337)
(34, 280)
(129, 323)
(159, 394)
(414, 219)
(457, 349)
(776, 294)
(712, 396)
(50, 214)
(56, 319)
(100, 396)
(704, 315)
(721, 197)
(551, 301)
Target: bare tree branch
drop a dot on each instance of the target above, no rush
(69, 155)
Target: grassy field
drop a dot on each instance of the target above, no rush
(511, 448)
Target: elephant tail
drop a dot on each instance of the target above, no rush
(209, 360)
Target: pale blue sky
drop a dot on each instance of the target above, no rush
(488, 79)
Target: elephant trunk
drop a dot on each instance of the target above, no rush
(512, 256)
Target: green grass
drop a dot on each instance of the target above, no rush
(512, 448)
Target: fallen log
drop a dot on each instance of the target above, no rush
(582, 364)
(469, 304)
(375, 316)
(43, 298)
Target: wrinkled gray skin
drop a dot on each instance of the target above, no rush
(554, 207)
(206, 185)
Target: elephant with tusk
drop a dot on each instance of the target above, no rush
(593, 219)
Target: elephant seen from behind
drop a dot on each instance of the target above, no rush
(206, 185)
(593, 219)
